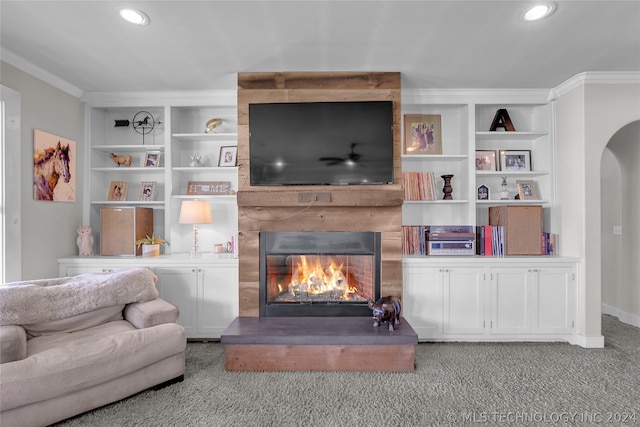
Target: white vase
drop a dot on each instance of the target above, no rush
(151, 250)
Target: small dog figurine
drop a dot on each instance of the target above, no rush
(85, 241)
(386, 309)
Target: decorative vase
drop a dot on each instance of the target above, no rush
(448, 189)
(151, 250)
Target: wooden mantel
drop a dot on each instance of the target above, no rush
(317, 208)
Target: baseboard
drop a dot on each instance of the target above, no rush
(589, 342)
(624, 317)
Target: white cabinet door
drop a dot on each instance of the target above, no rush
(463, 298)
(554, 300)
(510, 300)
(217, 300)
(422, 304)
(179, 286)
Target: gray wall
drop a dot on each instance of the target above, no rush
(48, 228)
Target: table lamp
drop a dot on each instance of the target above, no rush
(195, 212)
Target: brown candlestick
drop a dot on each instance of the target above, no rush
(448, 189)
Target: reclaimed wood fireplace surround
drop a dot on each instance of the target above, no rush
(315, 208)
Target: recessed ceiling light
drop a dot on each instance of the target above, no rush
(134, 16)
(539, 11)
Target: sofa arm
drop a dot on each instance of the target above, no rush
(13, 343)
(151, 313)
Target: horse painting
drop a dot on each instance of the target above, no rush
(49, 165)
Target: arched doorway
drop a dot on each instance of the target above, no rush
(620, 225)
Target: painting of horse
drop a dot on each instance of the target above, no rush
(53, 168)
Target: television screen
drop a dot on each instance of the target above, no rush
(321, 143)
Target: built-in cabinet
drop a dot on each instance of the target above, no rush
(162, 155)
(444, 298)
(512, 298)
(205, 289)
(465, 129)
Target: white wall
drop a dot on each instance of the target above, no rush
(625, 147)
(611, 211)
(587, 117)
(48, 228)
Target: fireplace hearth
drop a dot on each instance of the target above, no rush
(318, 273)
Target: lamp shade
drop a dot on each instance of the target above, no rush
(195, 212)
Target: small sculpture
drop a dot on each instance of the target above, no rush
(196, 160)
(121, 160)
(504, 194)
(85, 241)
(386, 309)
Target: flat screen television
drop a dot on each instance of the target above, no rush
(321, 143)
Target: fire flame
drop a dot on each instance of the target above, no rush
(310, 276)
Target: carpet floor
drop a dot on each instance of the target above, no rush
(527, 384)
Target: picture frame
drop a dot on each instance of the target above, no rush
(152, 159)
(422, 134)
(486, 160)
(209, 188)
(147, 191)
(228, 156)
(515, 160)
(527, 190)
(118, 191)
(483, 192)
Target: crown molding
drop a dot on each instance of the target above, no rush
(26, 66)
(474, 96)
(187, 98)
(595, 77)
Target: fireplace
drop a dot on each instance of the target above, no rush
(318, 273)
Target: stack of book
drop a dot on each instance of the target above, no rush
(549, 244)
(413, 240)
(450, 240)
(419, 186)
(490, 240)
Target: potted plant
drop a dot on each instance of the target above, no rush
(150, 245)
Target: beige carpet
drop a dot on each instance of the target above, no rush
(454, 384)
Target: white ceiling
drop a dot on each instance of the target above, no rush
(201, 45)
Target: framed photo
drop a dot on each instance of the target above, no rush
(208, 188)
(486, 160)
(483, 193)
(228, 156)
(515, 160)
(147, 192)
(118, 191)
(422, 134)
(527, 190)
(152, 159)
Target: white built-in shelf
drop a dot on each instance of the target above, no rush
(129, 148)
(443, 157)
(509, 136)
(219, 197)
(512, 202)
(129, 169)
(155, 203)
(189, 169)
(213, 136)
(512, 173)
(440, 201)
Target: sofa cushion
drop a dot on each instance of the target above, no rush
(13, 343)
(63, 363)
(151, 313)
(78, 322)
